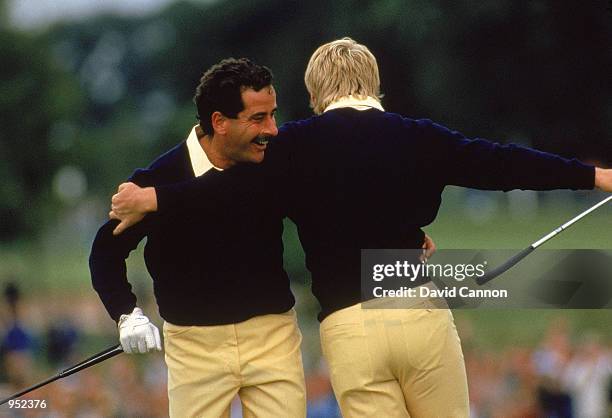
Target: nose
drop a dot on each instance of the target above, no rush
(270, 128)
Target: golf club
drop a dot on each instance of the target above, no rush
(524, 253)
(95, 359)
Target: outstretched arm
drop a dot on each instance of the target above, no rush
(486, 165)
(131, 202)
(234, 187)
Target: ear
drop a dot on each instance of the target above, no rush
(219, 123)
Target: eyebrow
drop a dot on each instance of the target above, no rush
(258, 114)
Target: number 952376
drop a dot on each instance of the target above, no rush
(27, 403)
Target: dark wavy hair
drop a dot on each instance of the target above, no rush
(221, 88)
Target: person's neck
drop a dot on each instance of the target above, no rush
(212, 149)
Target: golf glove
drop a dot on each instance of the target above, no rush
(137, 334)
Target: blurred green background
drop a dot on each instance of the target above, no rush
(85, 100)
(88, 97)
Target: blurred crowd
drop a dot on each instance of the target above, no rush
(567, 374)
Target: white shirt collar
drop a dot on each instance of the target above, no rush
(356, 103)
(199, 160)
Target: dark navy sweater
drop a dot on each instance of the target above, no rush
(354, 180)
(220, 264)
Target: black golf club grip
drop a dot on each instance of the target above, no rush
(95, 359)
(504, 267)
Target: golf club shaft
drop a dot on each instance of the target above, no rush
(570, 223)
(95, 359)
(525, 252)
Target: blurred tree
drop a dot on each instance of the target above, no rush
(35, 95)
(3, 14)
(106, 95)
(540, 69)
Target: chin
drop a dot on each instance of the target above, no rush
(257, 158)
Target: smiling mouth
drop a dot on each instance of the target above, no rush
(261, 140)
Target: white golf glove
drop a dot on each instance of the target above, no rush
(137, 334)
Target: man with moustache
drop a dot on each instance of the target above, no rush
(229, 327)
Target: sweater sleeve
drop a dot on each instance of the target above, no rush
(486, 165)
(191, 196)
(233, 186)
(107, 261)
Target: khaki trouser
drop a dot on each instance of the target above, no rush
(396, 362)
(258, 359)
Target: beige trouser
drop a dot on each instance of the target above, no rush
(258, 359)
(396, 362)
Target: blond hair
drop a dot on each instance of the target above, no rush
(338, 69)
